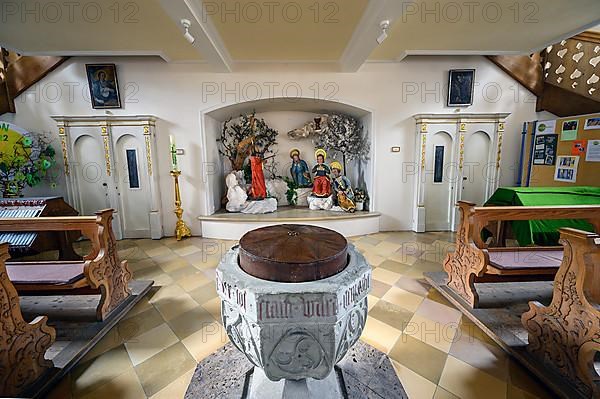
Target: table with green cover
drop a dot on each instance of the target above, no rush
(544, 232)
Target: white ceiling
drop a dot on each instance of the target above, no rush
(337, 34)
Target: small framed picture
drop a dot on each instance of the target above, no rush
(104, 87)
(460, 87)
(592, 124)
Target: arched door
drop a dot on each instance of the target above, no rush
(133, 187)
(90, 174)
(477, 171)
(439, 182)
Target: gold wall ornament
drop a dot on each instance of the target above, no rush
(423, 127)
(63, 146)
(148, 154)
(181, 229)
(462, 127)
(423, 148)
(500, 126)
(461, 151)
(104, 131)
(499, 150)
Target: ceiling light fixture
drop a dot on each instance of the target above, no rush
(384, 25)
(188, 36)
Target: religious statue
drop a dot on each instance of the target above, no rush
(299, 170)
(342, 189)
(322, 182)
(259, 188)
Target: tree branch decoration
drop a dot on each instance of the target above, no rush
(25, 163)
(238, 139)
(344, 137)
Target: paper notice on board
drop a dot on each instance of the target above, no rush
(593, 151)
(545, 127)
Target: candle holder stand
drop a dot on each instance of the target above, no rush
(181, 229)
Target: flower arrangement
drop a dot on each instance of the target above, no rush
(26, 163)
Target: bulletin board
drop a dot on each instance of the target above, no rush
(572, 139)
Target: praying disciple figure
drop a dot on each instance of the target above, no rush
(342, 189)
(259, 188)
(299, 170)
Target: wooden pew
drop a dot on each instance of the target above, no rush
(566, 334)
(473, 262)
(22, 344)
(100, 271)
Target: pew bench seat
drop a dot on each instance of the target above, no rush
(524, 261)
(69, 274)
(100, 272)
(473, 261)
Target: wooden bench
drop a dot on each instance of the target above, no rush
(99, 272)
(566, 334)
(22, 344)
(473, 262)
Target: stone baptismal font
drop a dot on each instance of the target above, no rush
(294, 302)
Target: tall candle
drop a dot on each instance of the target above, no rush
(173, 153)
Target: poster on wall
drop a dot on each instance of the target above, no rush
(569, 130)
(578, 147)
(592, 123)
(545, 127)
(593, 151)
(566, 169)
(544, 152)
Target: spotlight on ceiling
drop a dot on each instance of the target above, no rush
(384, 25)
(188, 36)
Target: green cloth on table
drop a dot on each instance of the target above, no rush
(544, 232)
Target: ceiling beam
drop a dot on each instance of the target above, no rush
(364, 38)
(208, 41)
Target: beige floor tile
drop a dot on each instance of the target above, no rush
(142, 305)
(421, 358)
(90, 376)
(139, 324)
(386, 276)
(441, 393)
(204, 293)
(391, 314)
(173, 307)
(482, 355)
(386, 249)
(148, 344)
(516, 393)
(404, 258)
(171, 266)
(379, 335)
(465, 381)
(434, 333)
(110, 341)
(176, 389)
(416, 286)
(189, 283)
(394, 266)
(164, 368)
(371, 301)
(213, 307)
(373, 259)
(206, 341)
(379, 289)
(162, 280)
(438, 312)
(168, 292)
(187, 250)
(125, 386)
(415, 385)
(158, 250)
(189, 322)
(403, 298)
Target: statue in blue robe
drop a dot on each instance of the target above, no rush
(299, 170)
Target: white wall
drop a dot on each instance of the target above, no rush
(178, 93)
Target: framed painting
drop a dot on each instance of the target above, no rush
(460, 87)
(104, 86)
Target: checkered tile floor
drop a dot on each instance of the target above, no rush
(437, 353)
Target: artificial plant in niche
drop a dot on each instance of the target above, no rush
(239, 139)
(25, 160)
(344, 137)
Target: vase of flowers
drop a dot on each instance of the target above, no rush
(25, 163)
(360, 197)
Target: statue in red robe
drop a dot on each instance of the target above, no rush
(259, 188)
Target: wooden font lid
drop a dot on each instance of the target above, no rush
(293, 253)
